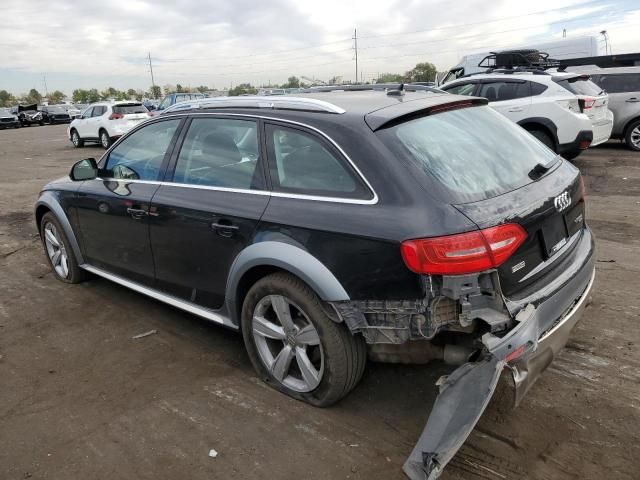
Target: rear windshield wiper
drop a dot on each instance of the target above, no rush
(541, 168)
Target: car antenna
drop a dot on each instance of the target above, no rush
(397, 93)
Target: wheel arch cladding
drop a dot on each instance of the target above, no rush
(267, 257)
(543, 124)
(48, 203)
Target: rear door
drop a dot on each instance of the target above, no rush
(208, 208)
(510, 97)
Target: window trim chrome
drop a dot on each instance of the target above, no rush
(317, 198)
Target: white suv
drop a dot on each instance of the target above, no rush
(105, 121)
(546, 105)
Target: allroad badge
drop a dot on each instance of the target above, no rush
(562, 201)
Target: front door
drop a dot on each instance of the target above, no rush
(113, 210)
(512, 98)
(209, 209)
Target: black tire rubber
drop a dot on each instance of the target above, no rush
(544, 138)
(345, 354)
(627, 136)
(41, 123)
(76, 274)
(106, 134)
(80, 143)
(570, 155)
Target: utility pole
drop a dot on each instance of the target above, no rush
(355, 39)
(44, 79)
(564, 33)
(153, 83)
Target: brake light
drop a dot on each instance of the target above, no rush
(588, 103)
(116, 116)
(465, 252)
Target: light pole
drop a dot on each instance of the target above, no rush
(606, 42)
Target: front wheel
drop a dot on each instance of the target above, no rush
(105, 139)
(294, 345)
(59, 251)
(632, 136)
(76, 140)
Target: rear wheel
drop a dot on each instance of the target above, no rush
(632, 136)
(59, 251)
(76, 140)
(544, 138)
(295, 347)
(105, 139)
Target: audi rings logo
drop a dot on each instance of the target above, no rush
(562, 201)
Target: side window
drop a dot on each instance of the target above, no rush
(87, 113)
(140, 155)
(501, 91)
(98, 111)
(627, 82)
(303, 164)
(166, 103)
(537, 88)
(463, 89)
(220, 152)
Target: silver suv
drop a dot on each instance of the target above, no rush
(623, 86)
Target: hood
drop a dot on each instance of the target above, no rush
(28, 108)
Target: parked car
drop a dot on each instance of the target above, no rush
(174, 98)
(272, 91)
(545, 105)
(52, 114)
(104, 122)
(29, 115)
(74, 109)
(622, 84)
(8, 119)
(409, 226)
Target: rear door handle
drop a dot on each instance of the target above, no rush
(137, 213)
(632, 100)
(515, 109)
(225, 229)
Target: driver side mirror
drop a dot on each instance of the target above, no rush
(86, 169)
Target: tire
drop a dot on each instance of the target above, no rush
(632, 136)
(65, 266)
(41, 123)
(572, 154)
(544, 138)
(338, 359)
(105, 139)
(76, 140)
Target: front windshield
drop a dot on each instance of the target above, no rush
(474, 152)
(5, 111)
(56, 109)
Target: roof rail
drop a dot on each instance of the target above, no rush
(255, 101)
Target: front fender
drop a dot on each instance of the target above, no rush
(287, 257)
(49, 200)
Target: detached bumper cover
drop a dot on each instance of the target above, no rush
(527, 350)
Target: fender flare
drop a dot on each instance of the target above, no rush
(287, 257)
(48, 199)
(545, 122)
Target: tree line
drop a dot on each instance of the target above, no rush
(422, 72)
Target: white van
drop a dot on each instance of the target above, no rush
(577, 47)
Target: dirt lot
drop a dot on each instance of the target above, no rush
(79, 398)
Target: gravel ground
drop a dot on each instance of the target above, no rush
(79, 398)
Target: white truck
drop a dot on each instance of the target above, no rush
(577, 47)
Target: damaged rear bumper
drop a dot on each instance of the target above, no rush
(527, 350)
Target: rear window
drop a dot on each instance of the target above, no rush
(127, 109)
(580, 86)
(474, 153)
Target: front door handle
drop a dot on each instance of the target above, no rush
(225, 229)
(632, 100)
(515, 109)
(137, 213)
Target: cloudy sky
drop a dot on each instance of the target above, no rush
(85, 44)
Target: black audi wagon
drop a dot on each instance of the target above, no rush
(336, 227)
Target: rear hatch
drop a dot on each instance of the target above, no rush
(593, 100)
(494, 172)
(551, 210)
(130, 113)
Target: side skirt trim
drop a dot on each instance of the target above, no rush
(173, 301)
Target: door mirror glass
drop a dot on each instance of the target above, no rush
(86, 169)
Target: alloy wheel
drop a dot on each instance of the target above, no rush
(75, 138)
(635, 137)
(105, 139)
(56, 251)
(288, 343)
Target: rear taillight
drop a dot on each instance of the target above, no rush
(588, 103)
(465, 252)
(116, 116)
